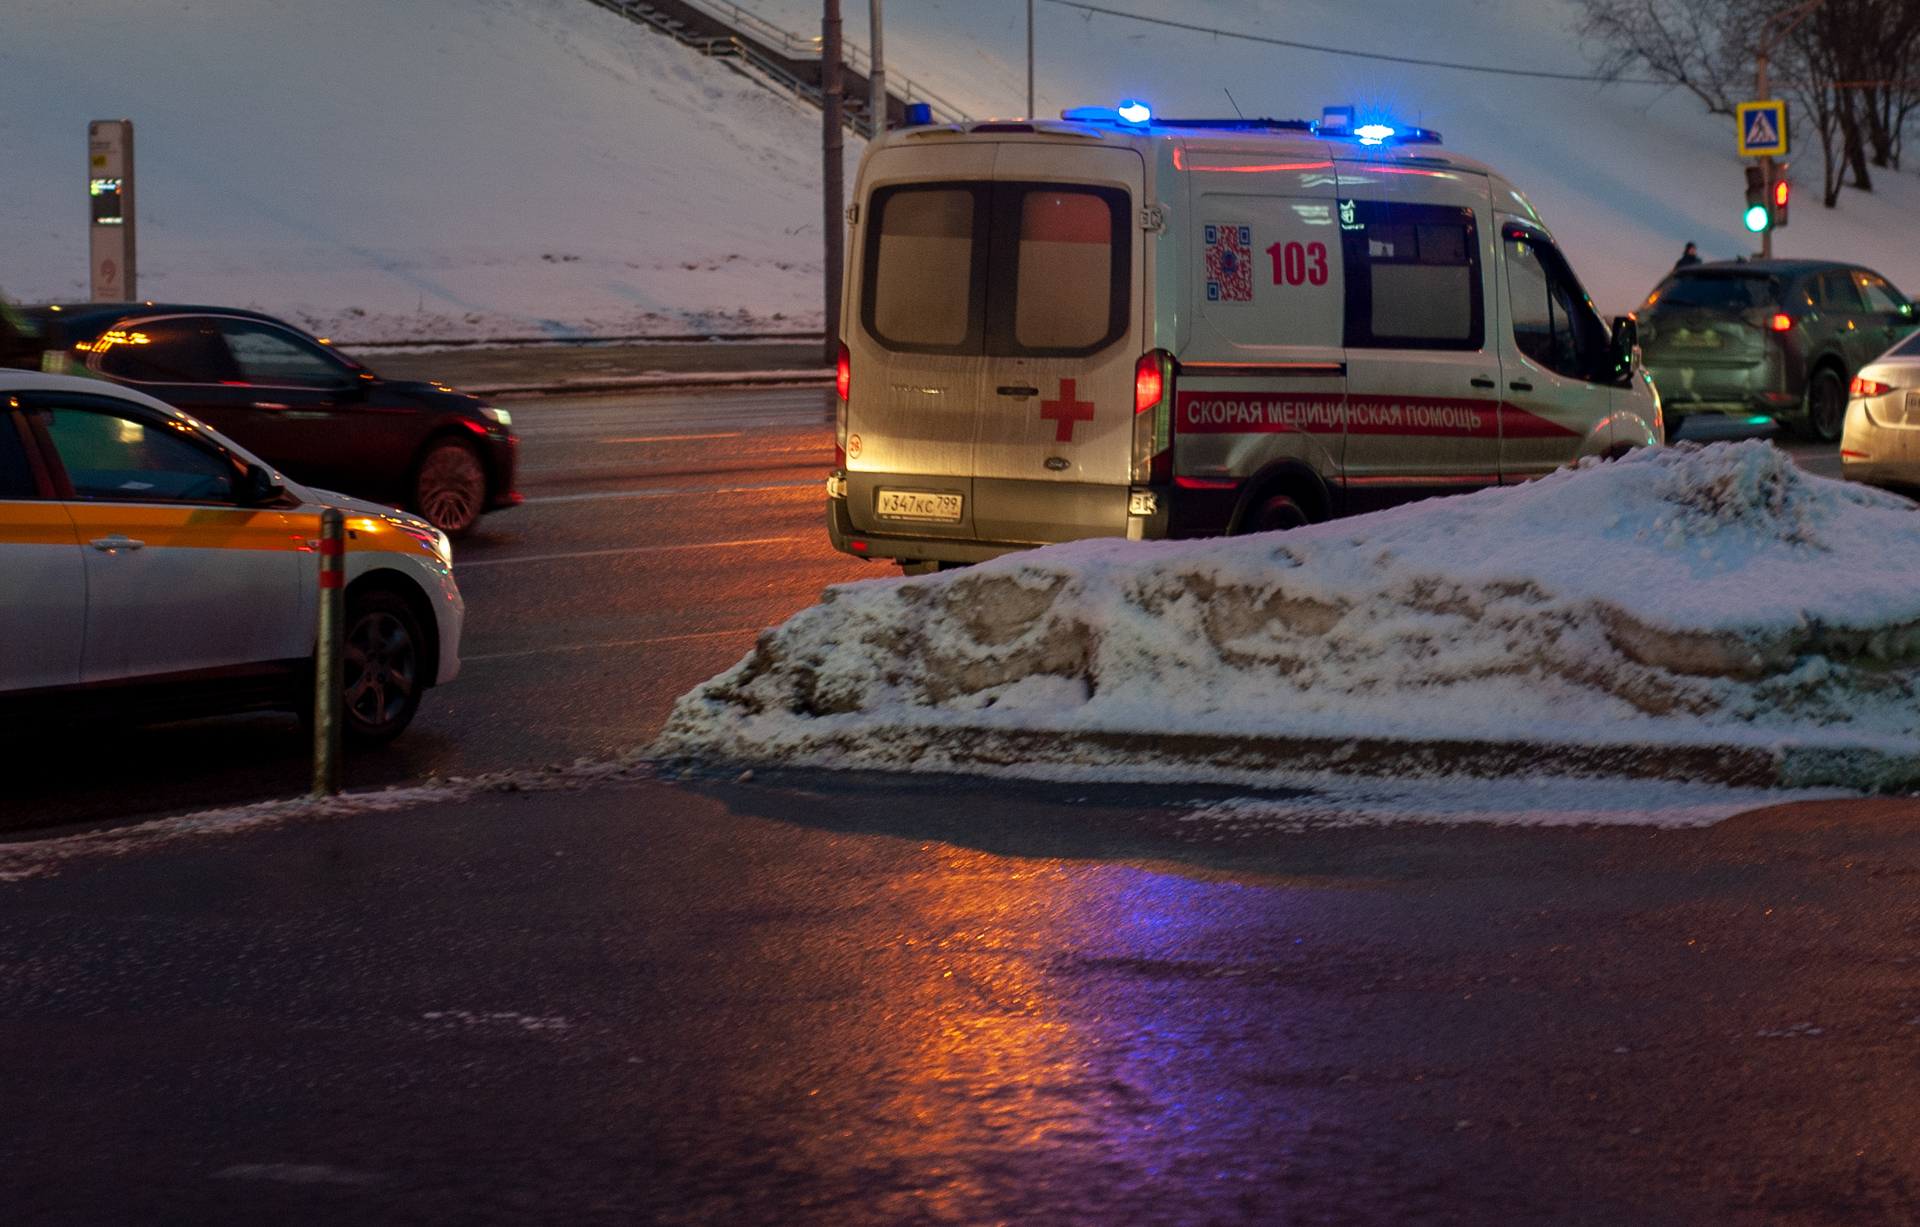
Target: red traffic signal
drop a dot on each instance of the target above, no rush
(1781, 190)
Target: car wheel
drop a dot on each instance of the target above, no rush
(450, 486)
(382, 661)
(1826, 405)
(1275, 515)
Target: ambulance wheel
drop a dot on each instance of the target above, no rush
(450, 486)
(1674, 422)
(1277, 514)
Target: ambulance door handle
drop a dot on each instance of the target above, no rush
(1015, 390)
(1521, 385)
(1481, 381)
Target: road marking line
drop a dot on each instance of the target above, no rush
(670, 438)
(636, 549)
(582, 498)
(623, 643)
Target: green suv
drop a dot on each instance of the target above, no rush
(1767, 338)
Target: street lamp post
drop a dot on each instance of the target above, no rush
(1030, 59)
(833, 170)
(1792, 17)
(877, 76)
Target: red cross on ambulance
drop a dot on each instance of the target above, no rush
(1066, 411)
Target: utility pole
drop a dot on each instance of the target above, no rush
(833, 168)
(1793, 17)
(1030, 114)
(877, 76)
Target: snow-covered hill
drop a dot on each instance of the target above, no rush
(506, 167)
(438, 168)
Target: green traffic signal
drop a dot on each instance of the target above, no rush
(1756, 218)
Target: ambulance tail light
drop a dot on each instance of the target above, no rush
(1153, 378)
(842, 373)
(1782, 323)
(1149, 381)
(842, 383)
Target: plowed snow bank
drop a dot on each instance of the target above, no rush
(1678, 596)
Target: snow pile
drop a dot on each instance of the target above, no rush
(1684, 596)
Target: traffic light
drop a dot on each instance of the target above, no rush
(1780, 194)
(1759, 214)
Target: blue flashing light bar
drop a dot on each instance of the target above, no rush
(1336, 123)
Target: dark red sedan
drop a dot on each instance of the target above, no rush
(315, 414)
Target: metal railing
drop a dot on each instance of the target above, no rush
(772, 52)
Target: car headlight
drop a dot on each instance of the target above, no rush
(499, 415)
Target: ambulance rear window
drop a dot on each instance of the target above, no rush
(1066, 262)
(922, 278)
(1413, 276)
(1003, 269)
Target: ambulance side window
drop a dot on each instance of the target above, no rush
(1413, 276)
(925, 270)
(1554, 324)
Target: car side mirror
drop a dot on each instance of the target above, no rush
(257, 485)
(1626, 334)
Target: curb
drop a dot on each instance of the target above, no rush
(1229, 759)
(648, 383)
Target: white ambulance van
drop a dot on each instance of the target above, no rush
(1132, 327)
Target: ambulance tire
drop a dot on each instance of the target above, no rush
(1674, 422)
(1276, 514)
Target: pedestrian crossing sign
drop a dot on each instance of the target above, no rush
(1763, 129)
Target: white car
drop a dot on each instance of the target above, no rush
(1880, 443)
(151, 569)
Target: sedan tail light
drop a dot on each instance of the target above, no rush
(1869, 387)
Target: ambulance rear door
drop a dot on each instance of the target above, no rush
(916, 334)
(1052, 448)
(1261, 383)
(1423, 366)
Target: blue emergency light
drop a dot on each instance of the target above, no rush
(1135, 111)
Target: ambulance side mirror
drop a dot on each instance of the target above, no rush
(1626, 335)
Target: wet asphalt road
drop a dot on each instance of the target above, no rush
(659, 535)
(844, 1001)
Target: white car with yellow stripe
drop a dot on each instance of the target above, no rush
(151, 569)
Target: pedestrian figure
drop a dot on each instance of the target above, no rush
(1688, 257)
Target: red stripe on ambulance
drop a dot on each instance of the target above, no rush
(1217, 413)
